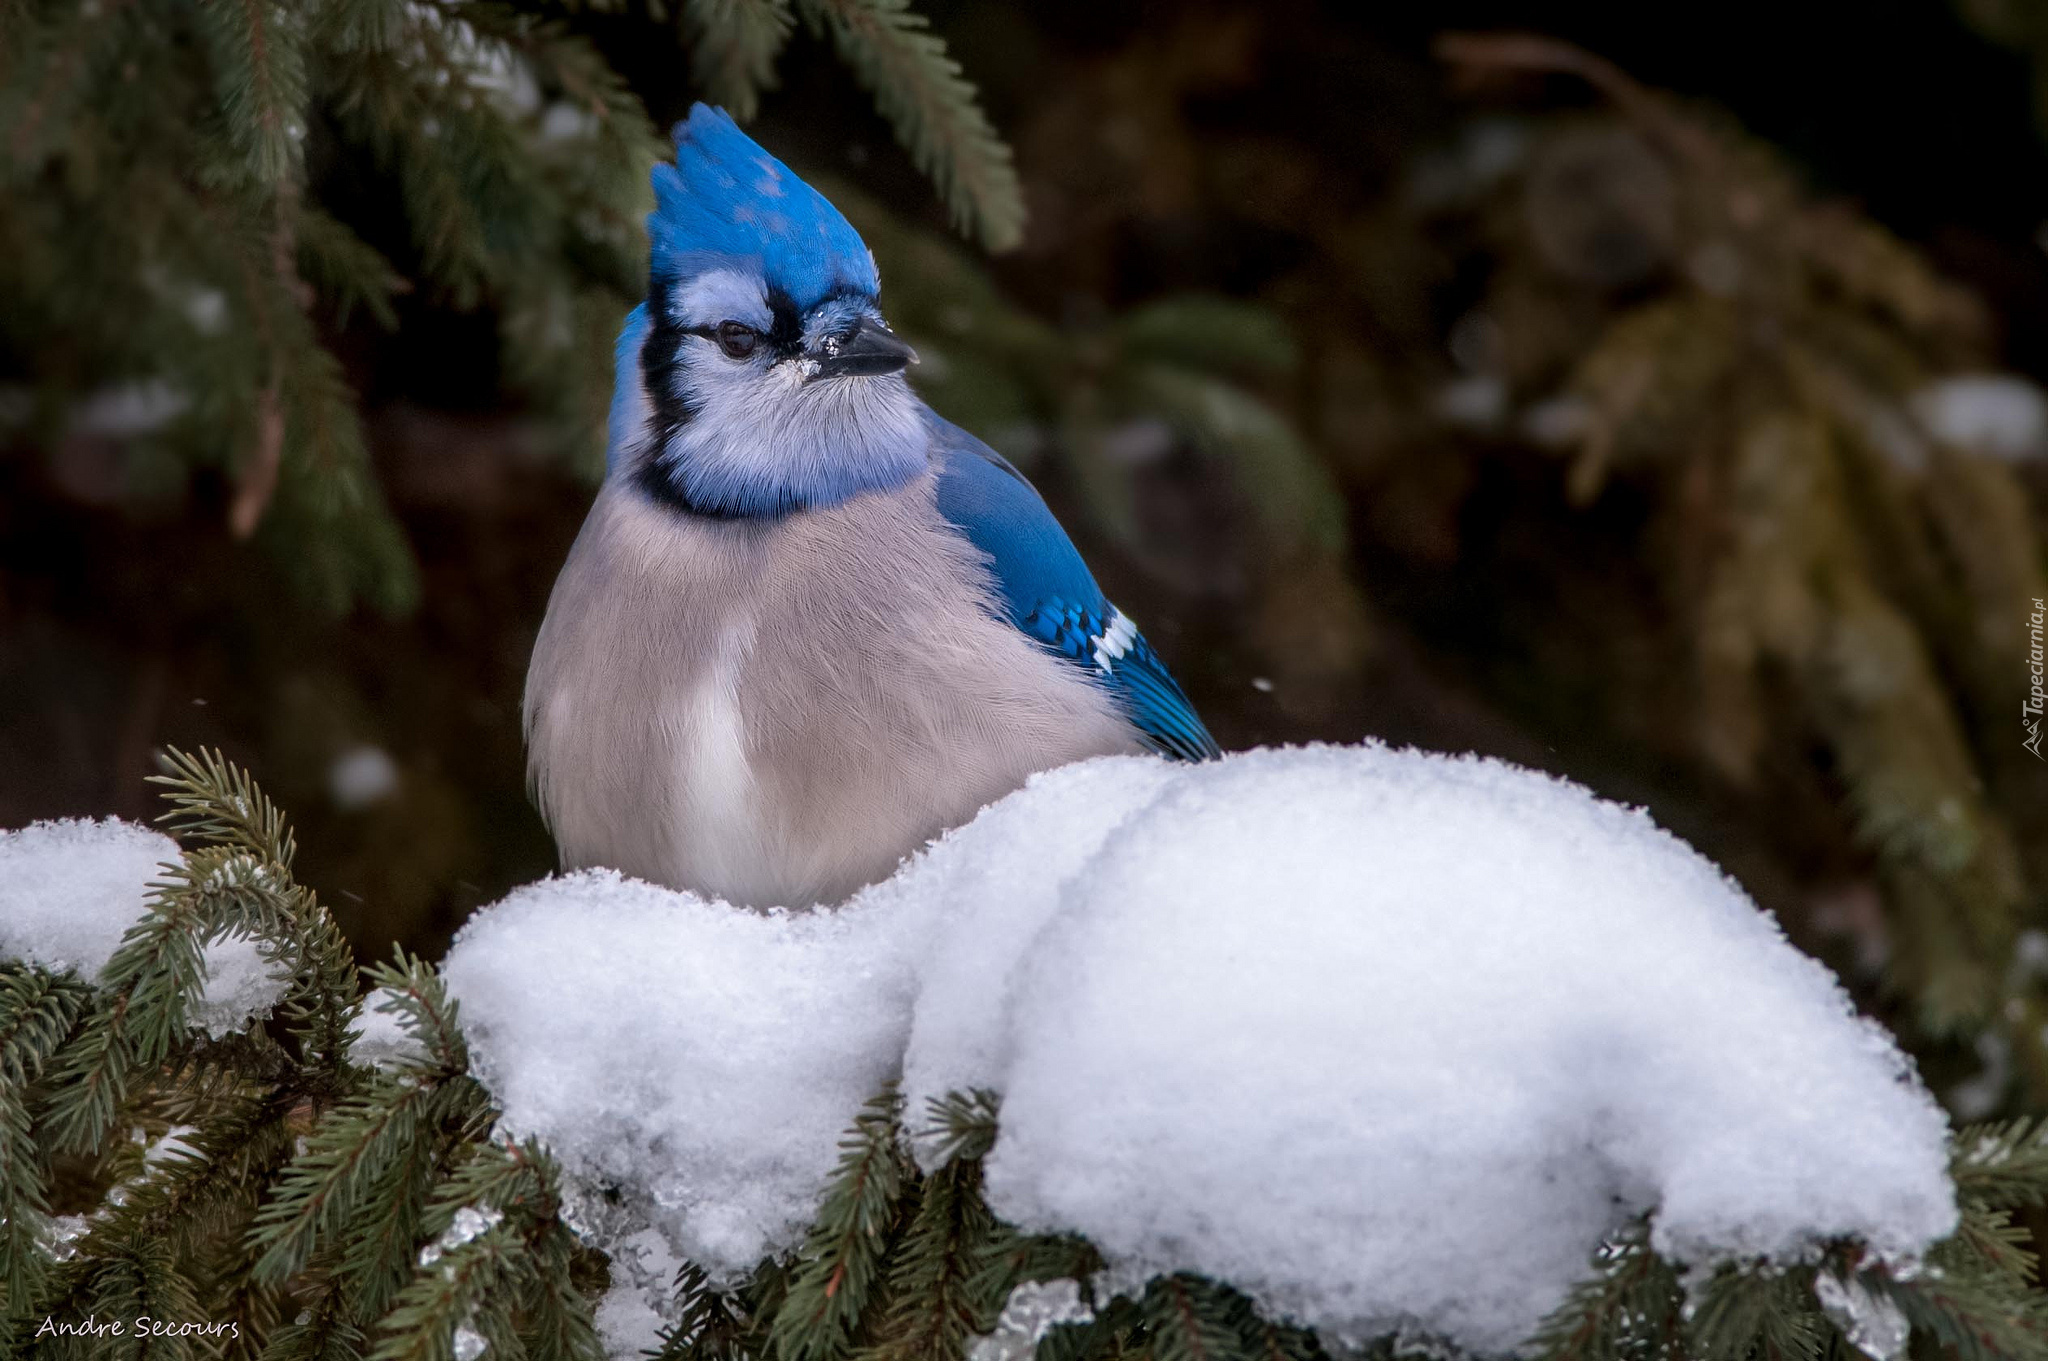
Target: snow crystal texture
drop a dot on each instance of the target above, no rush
(1387, 1039)
(378, 1037)
(69, 889)
(240, 986)
(698, 1059)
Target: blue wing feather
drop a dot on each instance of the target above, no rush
(1049, 593)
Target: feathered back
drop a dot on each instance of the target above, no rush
(725, 200)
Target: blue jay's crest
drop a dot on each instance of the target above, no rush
(727, 202)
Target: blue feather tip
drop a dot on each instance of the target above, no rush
(726, 201)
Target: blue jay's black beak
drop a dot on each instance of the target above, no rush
(868, 349)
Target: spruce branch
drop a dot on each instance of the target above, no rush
(733, 47)
(260, 78)
(1975, 1318)
(210, 1187)
(961, 1124)
(325, 1331)
(1976, 1292)
(214, 800)
(555, 1319)
(935, 110)
(1752, 1315)
(37, 1010)
(64, 55)
(1987, 1241)
(1116, 1330)
(412, 989)
(1630, 1307)
(840, 1263)
(347, 270)
(145, 1280)
(711, 1324)
(500, 1251)
(939, 1294)
(2003, 1164)
(24, 1203)
(380, 1238)
(155, 976)
(1192, 1318)
(345, 1156)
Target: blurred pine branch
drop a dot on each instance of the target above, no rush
(1840, 575)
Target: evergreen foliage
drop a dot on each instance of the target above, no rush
(332, 1209)
(1836, 577)
(921, 90)
(187, 239)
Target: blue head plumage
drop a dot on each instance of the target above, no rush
(759, 377)
(726, 201)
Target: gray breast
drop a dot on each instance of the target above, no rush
(777, 712)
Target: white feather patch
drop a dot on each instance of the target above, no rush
(718, 792)
(723, 295)
(1114, 641)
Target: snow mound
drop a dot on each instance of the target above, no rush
(378, 1038)
(1388, 1039)
(240, 986)
(698, 1060)
(1334, 1024)
(69, 889)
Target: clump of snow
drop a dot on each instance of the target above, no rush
(1333, 1024)
(381, 1039)
(470, 1222)
(643, 1272)
(700, 1059)
(1390, 1040)
(69, 889)
(1873, 1322)
(1018, 859)
(207, 310)
(176, 1142)
(2000, 415)
(626, 1324)
(1034, 1309)
(61, 1239)
(240, 986)
(362, 776)
(488, 67)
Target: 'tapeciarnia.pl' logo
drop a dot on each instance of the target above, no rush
(2037, 695)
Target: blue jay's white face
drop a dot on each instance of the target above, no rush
(756, 407)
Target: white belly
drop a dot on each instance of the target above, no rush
(718, 799)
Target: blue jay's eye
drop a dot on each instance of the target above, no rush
(737, 339)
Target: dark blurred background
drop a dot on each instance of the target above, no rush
(1640, 393)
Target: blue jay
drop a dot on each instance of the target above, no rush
(808, 624)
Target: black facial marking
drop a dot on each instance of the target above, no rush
(659, 355)
(659, 359)
(786, 333)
